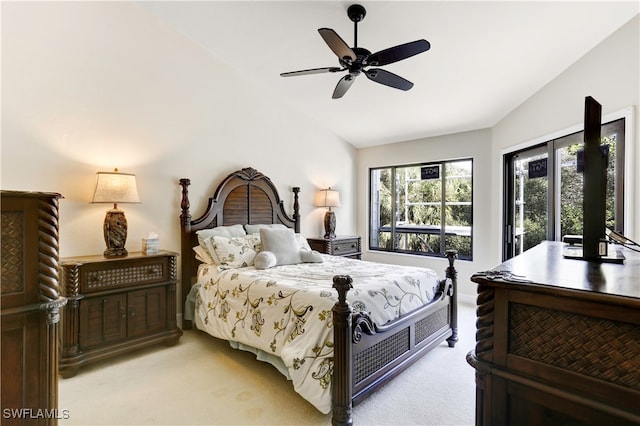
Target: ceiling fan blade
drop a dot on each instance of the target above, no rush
(398, 53)
(342, 86)
(311, 71)
(337, 44)
(388, 79)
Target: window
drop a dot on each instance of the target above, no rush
(422, 209)
(544, 189)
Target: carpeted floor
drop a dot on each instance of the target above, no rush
(203, 381)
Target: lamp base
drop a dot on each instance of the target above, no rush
(115, 233)
(329, 225)
(111, 252)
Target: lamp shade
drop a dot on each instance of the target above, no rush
(114, 187)
(328, 198)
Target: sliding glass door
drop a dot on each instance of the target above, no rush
(528, 209)
(543, 189)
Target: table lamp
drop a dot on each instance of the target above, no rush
(114, 187)
(328, 198)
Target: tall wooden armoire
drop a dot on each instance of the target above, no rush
(30, 308)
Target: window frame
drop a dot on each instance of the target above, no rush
(443, 204)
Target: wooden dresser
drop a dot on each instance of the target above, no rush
(558, 341)
(117, 305)
(31, 304)
(348, 246)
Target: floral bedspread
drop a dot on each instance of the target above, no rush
(286, 310)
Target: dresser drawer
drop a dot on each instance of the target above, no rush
(348, 246)
(105, 276)
(345, 247)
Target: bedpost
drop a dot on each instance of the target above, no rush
(452, 274)
(184, 204)
(296, 208)
(342, 391)
(185, 247)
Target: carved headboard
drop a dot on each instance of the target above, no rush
(246, 196)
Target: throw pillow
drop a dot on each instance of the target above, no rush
(202, 254)
(236, 252)
(230, 231)
(302, 242)
(255, 229)
(265, 260)
(310, 256)
(282, 243)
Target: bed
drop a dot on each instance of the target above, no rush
(335, 335)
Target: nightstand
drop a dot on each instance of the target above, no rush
(116, 305)
(347, 246)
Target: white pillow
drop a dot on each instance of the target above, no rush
(302, 242)
(282, 243)
(235, 252)
(255, 229)
(202, 254)
(265, 260)
(230, 231)
(310, 256)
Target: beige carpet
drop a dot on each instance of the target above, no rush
(203, 381)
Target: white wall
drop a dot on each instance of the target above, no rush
(475, 145)
(610, 73)
(89, 86)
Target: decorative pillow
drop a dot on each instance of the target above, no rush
(282, 243)
(236, 252)
(207, 244)
(265, 260)
(230, 231)
(203, 255)
(302, 242)
(255, 229)
(310, 256)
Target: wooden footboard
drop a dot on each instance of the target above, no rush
(366, 356)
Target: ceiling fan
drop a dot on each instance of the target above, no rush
(356, 60)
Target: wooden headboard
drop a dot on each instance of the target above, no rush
(244, 197)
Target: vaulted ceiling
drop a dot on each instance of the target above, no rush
(486, 58)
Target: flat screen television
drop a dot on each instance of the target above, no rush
(594, 240)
